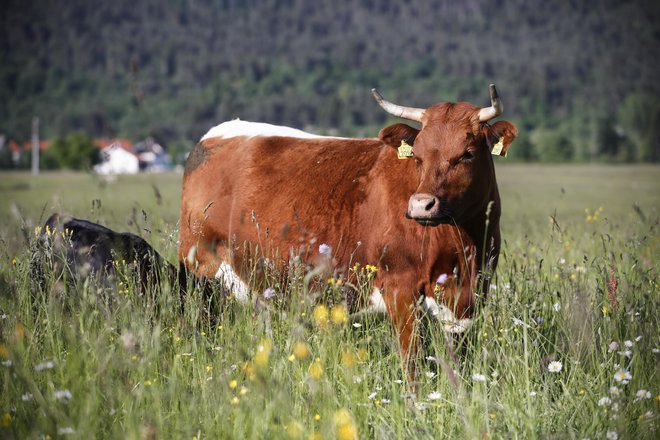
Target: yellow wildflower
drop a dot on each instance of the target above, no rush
(294, 430)
(4, 351)
(339, 314)
(248, 370)
(233, 384)
(13, 261)
(317, 417)
(315, 436)
(263, 352)
(300, 350)
(234, 400)
(316, 369)
(347, 359)
(321, 315)
(243, 391)
(209, 368)
(6, 420)
(345, 425)
(362, 355)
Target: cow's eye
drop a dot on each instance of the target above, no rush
(467, 155)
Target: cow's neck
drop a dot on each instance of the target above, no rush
(484, 230)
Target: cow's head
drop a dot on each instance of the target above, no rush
(452, 152)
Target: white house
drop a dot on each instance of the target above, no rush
(116, 160)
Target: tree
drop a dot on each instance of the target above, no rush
(639, 117)
(76, 151)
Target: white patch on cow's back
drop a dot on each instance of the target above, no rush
(443, 314)
(233, 283)
(237, 128)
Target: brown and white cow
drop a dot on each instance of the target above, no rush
(429, 221)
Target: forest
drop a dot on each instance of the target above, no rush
(578, 78)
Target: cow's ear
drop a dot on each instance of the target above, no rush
(393, 134)
(499, 136)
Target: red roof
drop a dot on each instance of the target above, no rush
(126, 144)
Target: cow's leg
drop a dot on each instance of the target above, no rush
(399, 299)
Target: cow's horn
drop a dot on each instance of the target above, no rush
(496, 108)
(411, 113)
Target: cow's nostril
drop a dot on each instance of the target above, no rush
(430, 204)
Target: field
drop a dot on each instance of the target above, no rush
(565, 346)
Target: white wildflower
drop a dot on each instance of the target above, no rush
(614, 346)
(269, 293)
(623, 376)
(628, 343)
(128, 341)
(65, 431)
(615, 391)
(8, 363)
(27, 396)
(611, 435)
(554, 367)
(372, 395)
(430, 374)
(385, 401)
(357, 379)
(44, 366)
(324, 249)
(532, 393)
(435, 395)
(638, 338)
(626, 353)
(399, 381)
(643, 394)
(422, 406)
(556, 307)
(63, 395)
(604, 401)
(478, 377)
(442, 279)
(357, 325)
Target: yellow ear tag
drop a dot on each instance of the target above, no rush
(497, 149)
(404, 151)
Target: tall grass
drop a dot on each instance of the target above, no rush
(573, 288)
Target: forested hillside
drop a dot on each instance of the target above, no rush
(580, 78)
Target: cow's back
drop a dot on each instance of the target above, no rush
(279, 193)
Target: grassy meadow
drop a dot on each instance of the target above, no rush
(565, 346)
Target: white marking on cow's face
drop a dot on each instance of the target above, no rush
(237, 128)
(233, 282)
(376, 302)
(445, 316)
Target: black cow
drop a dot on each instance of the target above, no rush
(85, 249)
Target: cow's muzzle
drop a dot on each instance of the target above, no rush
(428, 210)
